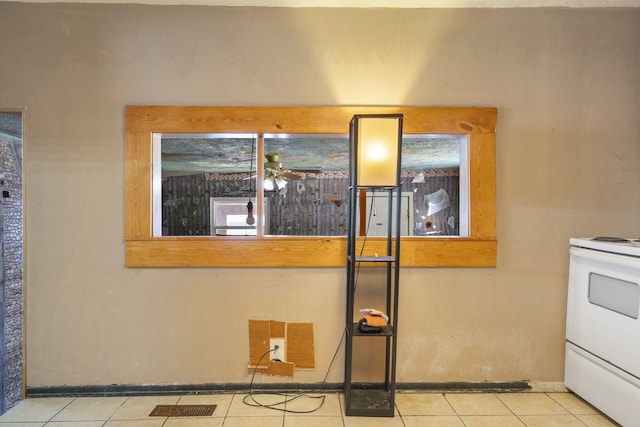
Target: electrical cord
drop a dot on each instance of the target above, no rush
(287, 399)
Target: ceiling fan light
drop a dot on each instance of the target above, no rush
(274, 184)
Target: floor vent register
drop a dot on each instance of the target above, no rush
(183, 411)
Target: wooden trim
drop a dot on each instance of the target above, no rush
(236, 252)
(137, 185)
(295, 252)
(143, 250)
(482, 185)
(319, 120)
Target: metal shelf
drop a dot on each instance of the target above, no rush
(372, 399)
(387, 331)
(383, 258)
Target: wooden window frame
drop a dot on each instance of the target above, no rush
(142, 249)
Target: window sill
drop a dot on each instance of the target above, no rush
(275, 251)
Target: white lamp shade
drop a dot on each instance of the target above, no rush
(378, 140)
(268, 184)
(272, 184)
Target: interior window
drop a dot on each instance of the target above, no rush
(204, 184)
(304, 184)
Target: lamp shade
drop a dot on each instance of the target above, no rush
(378, 141)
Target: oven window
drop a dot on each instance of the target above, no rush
(614, 294)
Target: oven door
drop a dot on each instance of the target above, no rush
(603, 307)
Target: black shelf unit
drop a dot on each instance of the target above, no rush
(364, 397)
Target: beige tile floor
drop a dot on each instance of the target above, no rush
(412, 410)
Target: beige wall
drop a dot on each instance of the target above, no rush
(566, 84)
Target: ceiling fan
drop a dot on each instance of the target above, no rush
(275, 168)
(276, 175)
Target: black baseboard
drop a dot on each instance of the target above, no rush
(185, 389)
(488, 387)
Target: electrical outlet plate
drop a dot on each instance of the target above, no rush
(279, 353)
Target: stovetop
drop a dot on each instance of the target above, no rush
(616, 245)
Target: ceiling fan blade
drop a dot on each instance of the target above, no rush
(291, 175)
(300, 170)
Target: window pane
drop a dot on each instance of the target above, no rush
(434, 170)
(196, 168)
(306, 182)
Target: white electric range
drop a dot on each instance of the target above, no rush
(602, 362)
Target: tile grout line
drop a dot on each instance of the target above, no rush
(444, 396)
(284, 412)
(543, 415)
(166, 418)
(509, 408)
(566, 409)
(224, 419)
(395, 408)
(61, 409)
(342, 409)
(114, 412)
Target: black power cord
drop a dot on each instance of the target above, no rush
(250, 399)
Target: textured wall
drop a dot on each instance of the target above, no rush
(11, 239)
(566, 85)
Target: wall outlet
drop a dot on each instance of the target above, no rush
(279, 353)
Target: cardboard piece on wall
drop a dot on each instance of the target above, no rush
(283, 369)
(259, 334)
(300, 348)
(276, 329)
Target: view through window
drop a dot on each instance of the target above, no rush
(208, 181)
